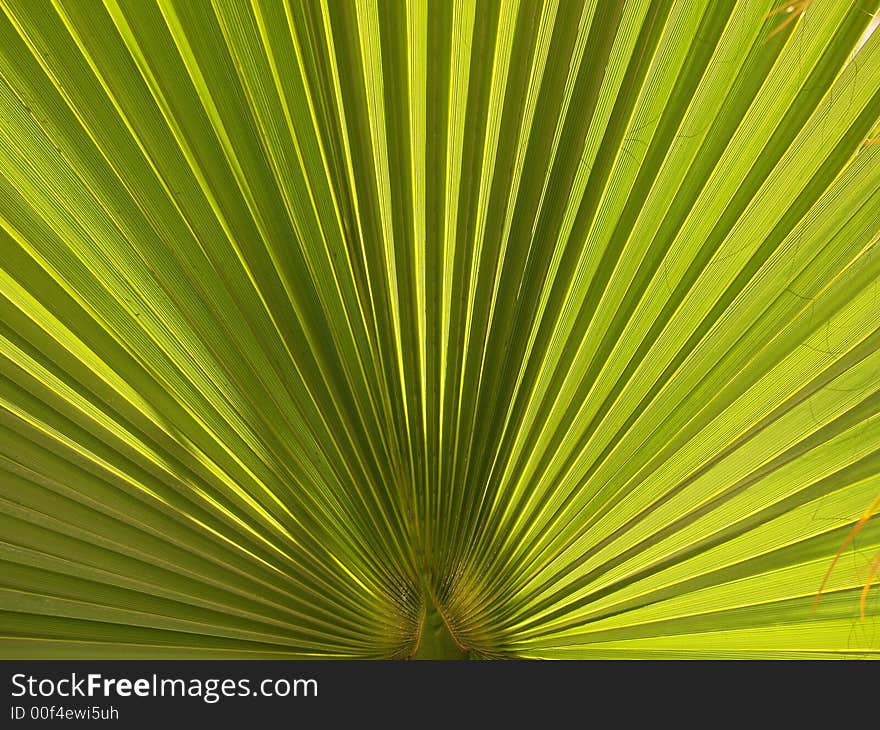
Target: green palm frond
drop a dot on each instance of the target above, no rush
(431, 327)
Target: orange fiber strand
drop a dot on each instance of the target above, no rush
(875, 568)
(794, 9)
(863, 520)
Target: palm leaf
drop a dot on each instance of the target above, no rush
(415, 328)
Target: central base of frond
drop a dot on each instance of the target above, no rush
(435, 639)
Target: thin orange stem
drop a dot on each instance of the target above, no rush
(849, 538)
(796, 6)
(866, 515)
(794, 9)
(875, 568)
